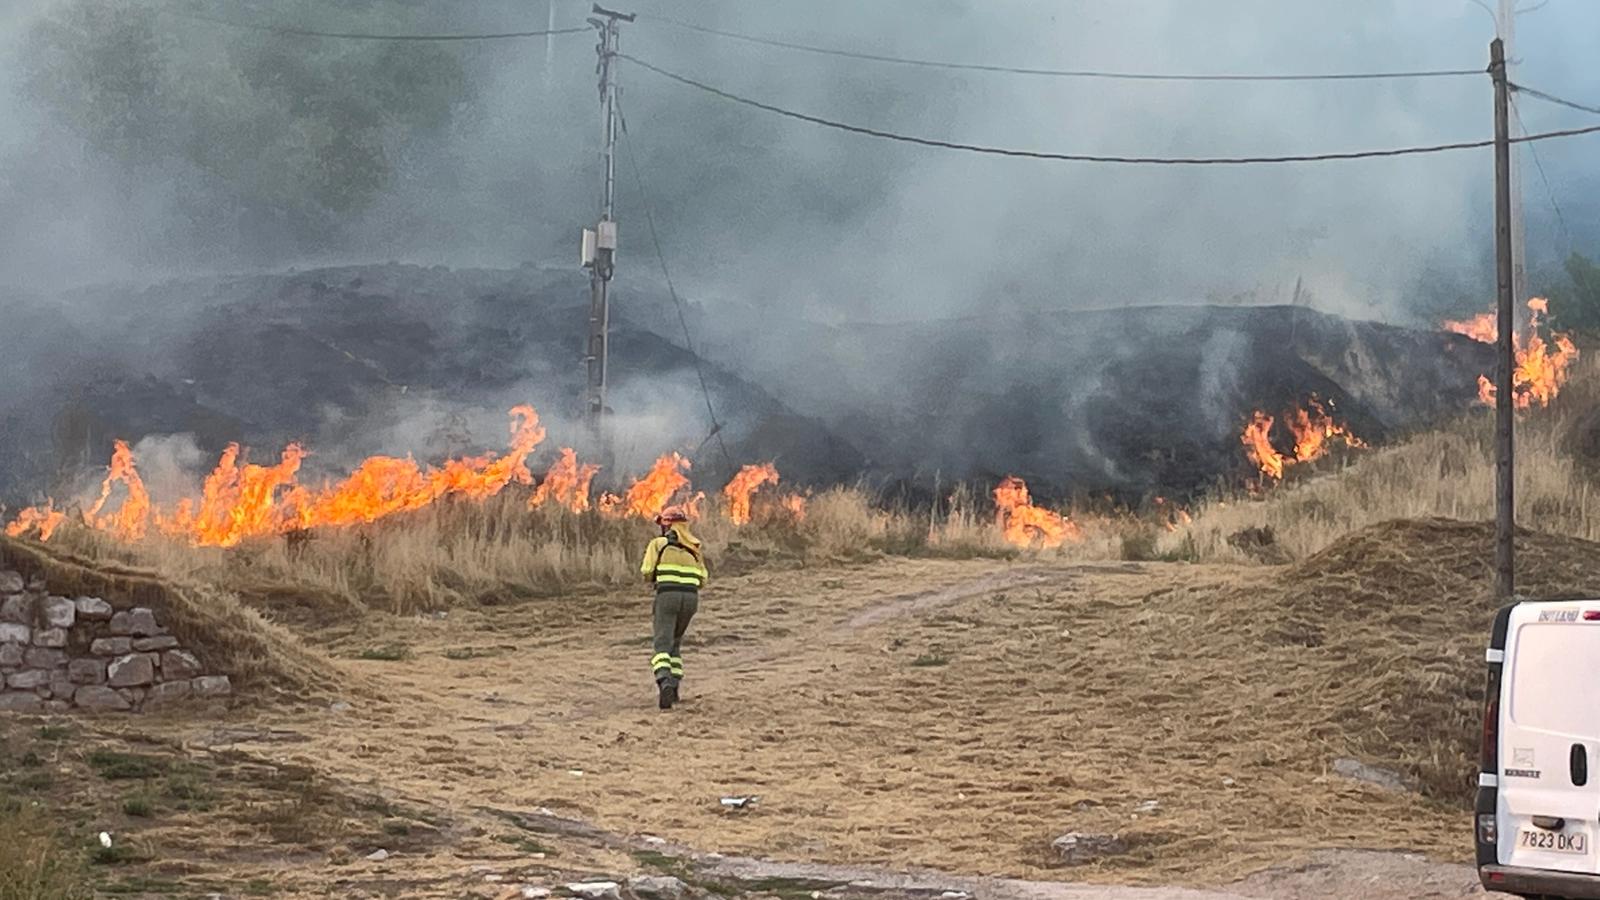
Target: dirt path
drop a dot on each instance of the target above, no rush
(1348, 875)
(909, 715)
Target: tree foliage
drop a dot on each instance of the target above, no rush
(1575, 300)
(255, 131)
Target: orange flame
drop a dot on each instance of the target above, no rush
(648, 496)
(46, 519)
(738, 491)
(1313, 428)
(1258, 445)
(243, 501)
(1314, 432)
(130, 520)
(1026, 525)
(384, 485)
(567, 483)
(1483, 327)
(1542, 365)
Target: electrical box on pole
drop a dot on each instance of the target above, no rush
(599, 246)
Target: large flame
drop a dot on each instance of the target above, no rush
(1315, 432)
(1257, 440)
(242, 500)
(1027, 525)
(384, 485)
(567, 483)
(738, 491)
(1314, 429)
(648, 496)
(133, 516)
(1542, 364)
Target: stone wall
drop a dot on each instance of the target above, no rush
(60, 653)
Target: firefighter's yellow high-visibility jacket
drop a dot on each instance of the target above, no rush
(674, 561)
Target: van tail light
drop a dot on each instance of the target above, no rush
(1591, 615)
(1488, 832)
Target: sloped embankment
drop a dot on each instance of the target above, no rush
(226, 637)
(1402, 611)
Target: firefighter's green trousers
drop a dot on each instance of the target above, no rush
(673, 610)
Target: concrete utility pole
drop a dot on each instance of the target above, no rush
(1507, 23)
(549, 42)
(1505, 360)
(600, 244)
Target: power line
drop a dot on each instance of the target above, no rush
(1561, 218)
(1551, 98)
(1533, 151)
(365, 36)
(1054, 73)
(683, 320)
(1093, 158)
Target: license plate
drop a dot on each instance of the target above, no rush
(1555, 841)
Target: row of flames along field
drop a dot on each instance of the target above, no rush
(240, 500)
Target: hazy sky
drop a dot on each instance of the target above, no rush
(788, 215)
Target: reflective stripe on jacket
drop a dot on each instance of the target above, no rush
(674, 563)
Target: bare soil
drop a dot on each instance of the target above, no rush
(942, 717)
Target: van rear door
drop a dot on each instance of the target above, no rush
(1549, 779)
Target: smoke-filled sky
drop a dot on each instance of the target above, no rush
(169, 146)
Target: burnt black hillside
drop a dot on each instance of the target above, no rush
(406, 359)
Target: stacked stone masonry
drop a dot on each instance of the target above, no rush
(62, 653)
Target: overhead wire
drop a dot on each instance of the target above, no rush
(1089, 157)
(672, 290)
(1551, 98)
(1052, 73)
(369, 36)
(1555, 204)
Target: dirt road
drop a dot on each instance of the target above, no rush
(907, 716)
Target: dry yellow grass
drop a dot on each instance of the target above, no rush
(228, 636)
(1446, 473)
(466, 552)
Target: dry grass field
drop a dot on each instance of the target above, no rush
(467, 690)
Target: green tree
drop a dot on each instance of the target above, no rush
(253, 130)
(1575, 300)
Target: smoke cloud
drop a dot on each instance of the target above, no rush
(138, 145)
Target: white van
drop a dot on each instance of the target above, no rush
(1538, 809)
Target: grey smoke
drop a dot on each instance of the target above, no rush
(843, 226)
(776, 225)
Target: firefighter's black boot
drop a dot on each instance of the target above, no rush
(668, 693)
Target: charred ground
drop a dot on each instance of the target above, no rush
(399, 358)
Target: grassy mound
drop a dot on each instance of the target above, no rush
(227, 636)
(1401, 611)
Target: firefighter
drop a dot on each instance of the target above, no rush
(675, 563)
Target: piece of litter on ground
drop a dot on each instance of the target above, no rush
(652, 839)
(1148, 807)
(575, 773)
(339, 706)
(1228, 782)
(105, 839)
(378, 855)
(739, 802)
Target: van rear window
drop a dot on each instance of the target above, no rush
(1555, 669)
